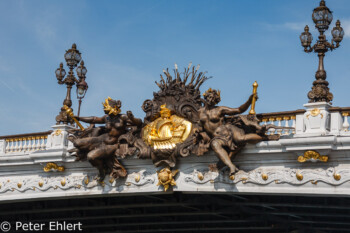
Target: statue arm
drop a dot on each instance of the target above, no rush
(233, 111)
(92, 119)
(244, 107)
(132, 119)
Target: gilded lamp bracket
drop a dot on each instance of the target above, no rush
(312, 156)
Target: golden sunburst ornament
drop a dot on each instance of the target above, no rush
(166, 178)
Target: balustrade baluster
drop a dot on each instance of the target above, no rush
(25, 146)
(34, 144)
(37, 144)
(272, 130)
(345, 122)
(30, 145)
(21, 145)
(279, 124)
(42, 146)
(293, 124)
(286, 124)
(15, 148)
(7, 145)
(11, 146)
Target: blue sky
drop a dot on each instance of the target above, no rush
(126, 44)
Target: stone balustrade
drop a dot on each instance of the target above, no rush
(281, 119)
(24, 142)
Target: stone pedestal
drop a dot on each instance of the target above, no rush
(58, 138)
(316, 119)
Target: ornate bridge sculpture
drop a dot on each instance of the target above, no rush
(178, 122)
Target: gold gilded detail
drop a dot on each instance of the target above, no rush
(57, 132)
(53, 167)
(111, 110)
(137, 177)
(166, 131)
(314, 112)
(70, 113)
(86, 181)
(41, 183)
(264, 176)
(166, 178)
(345, 114)
(111, 180)
(255, 87)
(200, 176)
(337, 176)
(299, 176)
(63, 182)
(313, 156)
(19, 185)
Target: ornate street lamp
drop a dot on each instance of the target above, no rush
(72, 57)
(322, 18)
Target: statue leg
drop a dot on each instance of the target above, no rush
(94, 159)
(217, 146)
(249, 138)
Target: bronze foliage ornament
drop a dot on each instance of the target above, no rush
(178, 122)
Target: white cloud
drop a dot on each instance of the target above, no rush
(294, 26)
(345, 24)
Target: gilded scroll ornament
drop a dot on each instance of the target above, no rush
(53, 167)
(166, 178)
(312, 156)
